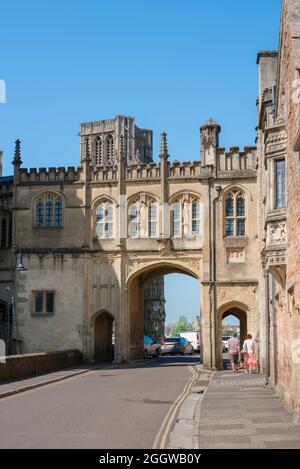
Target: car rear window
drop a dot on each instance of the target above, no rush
(171, 340)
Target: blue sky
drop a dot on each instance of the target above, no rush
(170, 63)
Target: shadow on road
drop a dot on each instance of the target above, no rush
(166, 361)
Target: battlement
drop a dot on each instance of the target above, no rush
(104, 173)
(143, 171)
(236, 159)
(50, 175)
(88, 128)
(185, 169)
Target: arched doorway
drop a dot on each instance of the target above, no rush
(136, 287)
(103, 337)
(239, 312)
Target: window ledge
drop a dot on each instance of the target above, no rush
(47, 227)
(42, 315)
(235, 241)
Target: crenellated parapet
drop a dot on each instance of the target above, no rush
(104, 174)
(49, 175)
(186, 169)
(143, 171)
(236, 160)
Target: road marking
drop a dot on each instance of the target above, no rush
(165, 428)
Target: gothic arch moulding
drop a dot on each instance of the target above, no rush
(185, 194)
(151, 270)
(103, 198)
(142, 197)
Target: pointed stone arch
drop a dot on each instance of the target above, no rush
(103, 336)
(139, 277)
(232, 308)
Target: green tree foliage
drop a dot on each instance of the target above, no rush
(182, 325)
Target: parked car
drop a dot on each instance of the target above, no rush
(194, 338)
(225, 339)
(174, 345)
(150, 348)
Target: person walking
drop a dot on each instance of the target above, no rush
(249, 355)
(234, 352)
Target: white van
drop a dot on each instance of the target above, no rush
(194, 338)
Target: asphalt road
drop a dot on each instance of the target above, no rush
(115, 408)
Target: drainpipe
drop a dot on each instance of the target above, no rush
(214, 279)
(267, 328)
(274, 322)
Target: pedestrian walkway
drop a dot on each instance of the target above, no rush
(240, 411)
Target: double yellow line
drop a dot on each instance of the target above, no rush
(161, 439)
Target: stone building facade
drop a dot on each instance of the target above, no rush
(93, 238)
(279, 208)
(97, 237)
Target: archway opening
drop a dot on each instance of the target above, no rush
(233, 319)
(151, 312)
(103, 337)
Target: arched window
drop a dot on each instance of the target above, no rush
(235, 214)
(98, 151)
(143, 218)
(133, 226)
(105, 220)
(109, 148)
(186, 216)
(152, 220)
(195, 218)
(176, 221)
(48, 211)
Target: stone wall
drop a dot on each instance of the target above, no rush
(18, 366)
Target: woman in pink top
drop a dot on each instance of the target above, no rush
(249, 356)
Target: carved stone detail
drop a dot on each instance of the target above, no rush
(276, 234)
(276, 138)
(235, 256)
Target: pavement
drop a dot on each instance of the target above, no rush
(233, 411)
(240, 411)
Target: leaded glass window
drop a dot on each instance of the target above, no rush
(152, 220)
(104, 220)
(195, 218)
(43, 302)
(49, 211)
(186, 219)
(176, 219)
(235, 214)
(133, 220)
(280, 199)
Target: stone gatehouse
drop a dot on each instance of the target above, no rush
(95, 237)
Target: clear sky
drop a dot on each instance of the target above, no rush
(170, 63)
